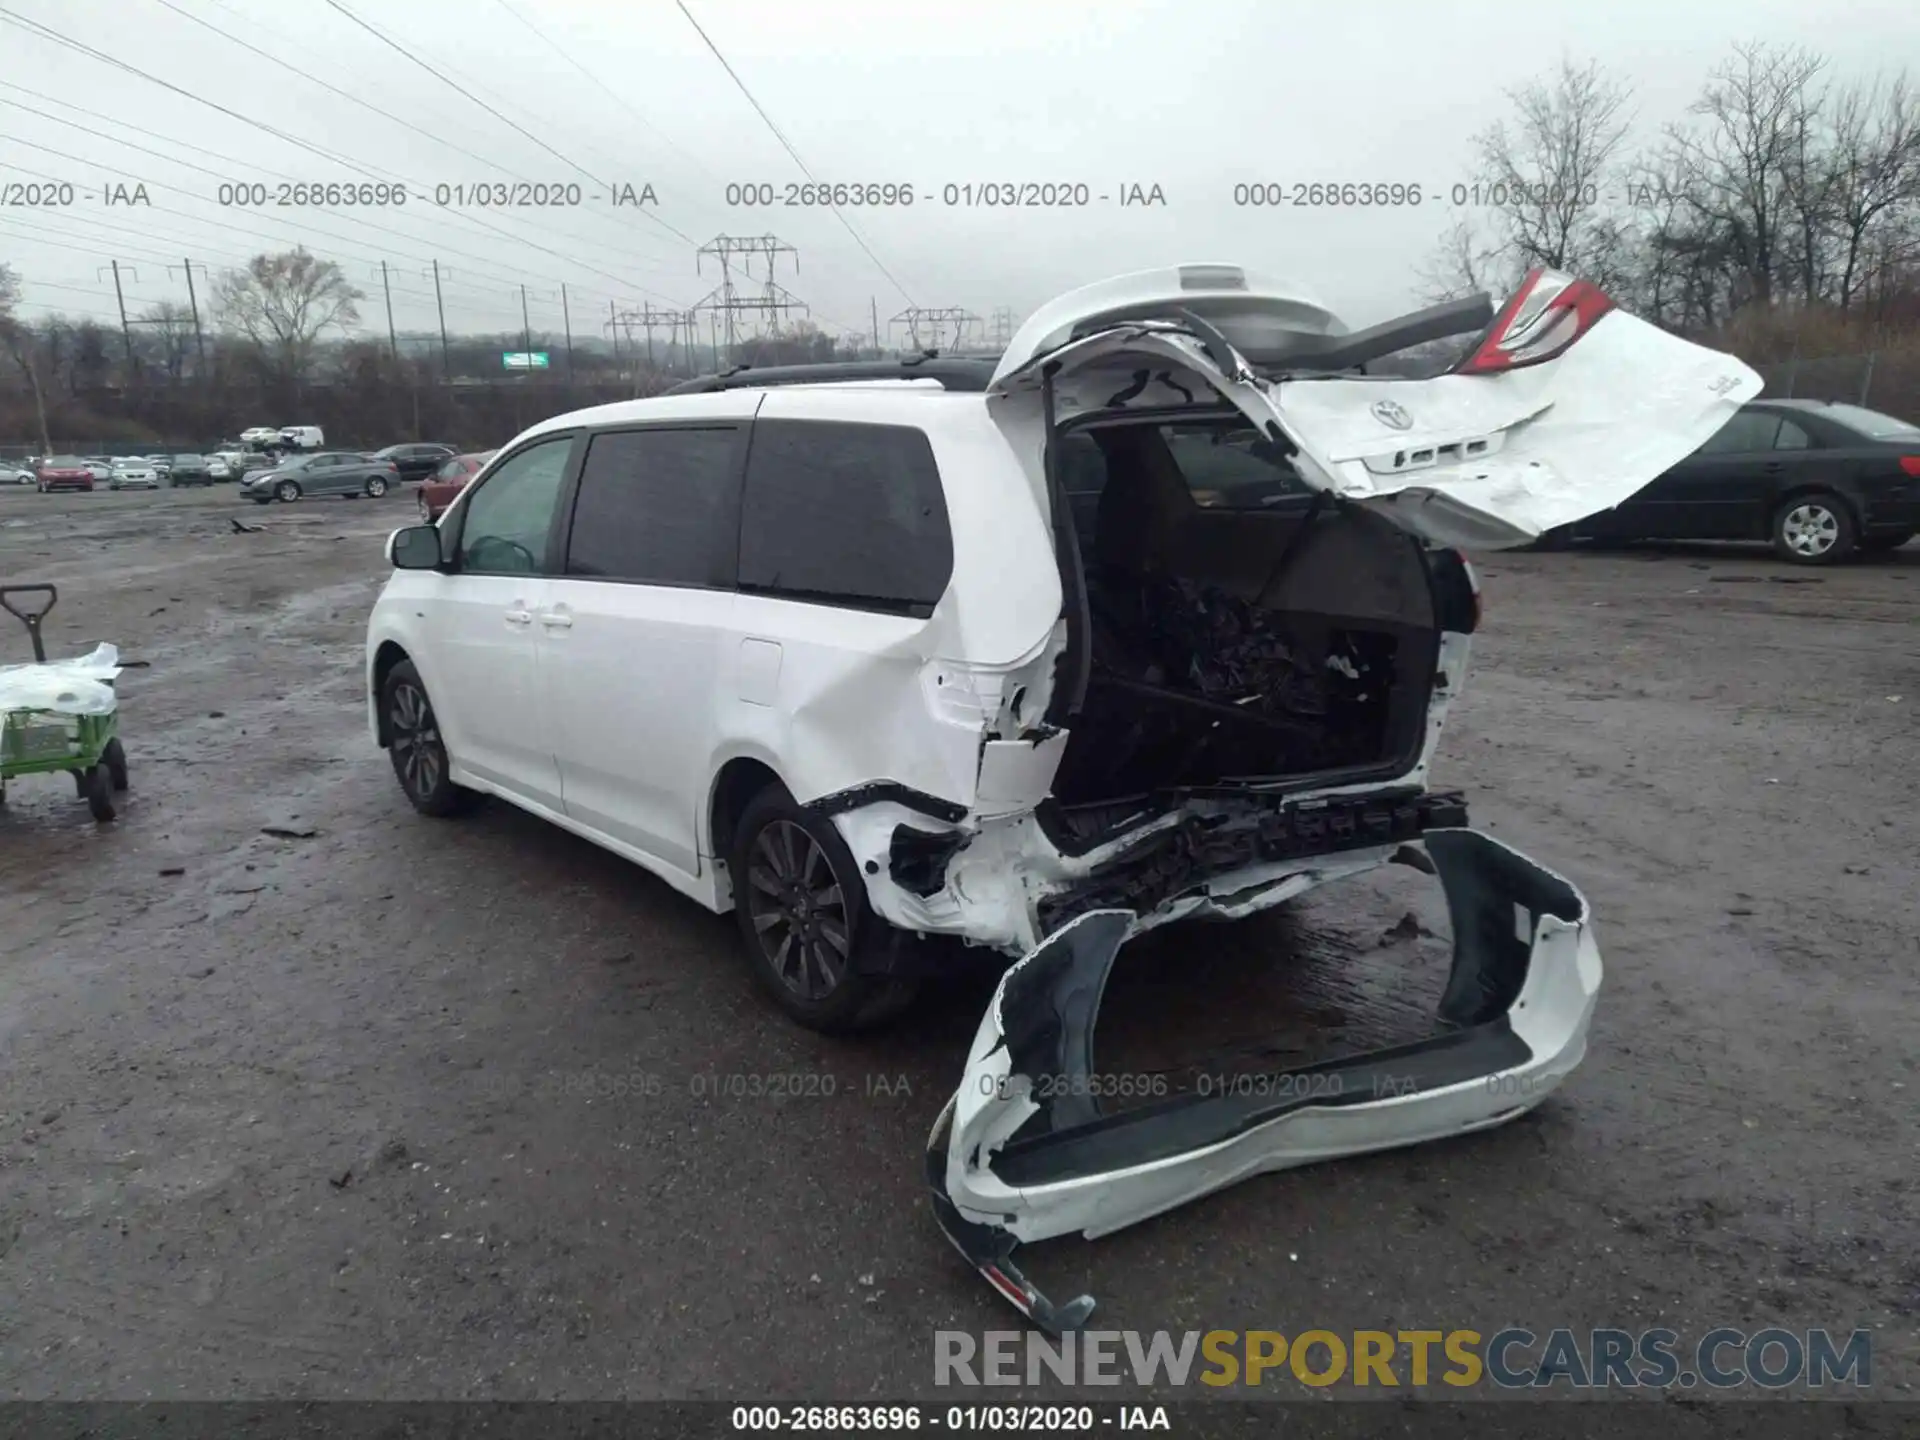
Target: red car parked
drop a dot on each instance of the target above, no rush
(64, 472)
(443, 487)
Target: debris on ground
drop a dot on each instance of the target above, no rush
(1407, 927)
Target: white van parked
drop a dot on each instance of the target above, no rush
(1156, 617)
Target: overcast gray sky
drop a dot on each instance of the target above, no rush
(1192, 97)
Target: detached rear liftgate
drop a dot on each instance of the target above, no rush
(1008, 1163)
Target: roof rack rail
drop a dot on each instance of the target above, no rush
(954, 372)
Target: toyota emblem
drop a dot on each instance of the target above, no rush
(1390, 414)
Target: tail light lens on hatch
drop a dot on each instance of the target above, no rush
(1539, 322)
(1910, 465)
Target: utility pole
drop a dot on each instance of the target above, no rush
(440, 305)
(526, 328)
(193, 304)
(566, 319)
(126, 331)
(393, 339)
(873, 310)
(613, 327)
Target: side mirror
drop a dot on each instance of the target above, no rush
(416, 547)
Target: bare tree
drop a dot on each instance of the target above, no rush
(1874, 186)
(1554, 169)
(1559, 163)
(283, 304)
(171, 325)
(18, 341)
(1464, 262)
(1757, 108)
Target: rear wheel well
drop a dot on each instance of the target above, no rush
(384, 659)
(739, 780)
(1800, 492)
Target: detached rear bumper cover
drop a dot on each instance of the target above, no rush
(1006, 1167)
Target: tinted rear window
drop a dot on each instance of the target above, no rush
(845, 513)
(657, 505)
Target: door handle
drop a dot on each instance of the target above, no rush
(557, 619)
(519, 615)
(1772, 467)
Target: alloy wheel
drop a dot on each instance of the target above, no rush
(799, 912)
(415, 737)
(1810, 529)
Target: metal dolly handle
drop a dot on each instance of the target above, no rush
(31, 618)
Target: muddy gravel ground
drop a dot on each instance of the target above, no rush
(306, 1096)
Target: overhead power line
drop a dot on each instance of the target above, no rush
(360, 168)
(612, 94)
(504, 119)
(786, 145)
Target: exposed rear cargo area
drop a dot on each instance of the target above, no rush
(1243, 629)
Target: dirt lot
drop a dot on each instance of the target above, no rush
(395, 1108)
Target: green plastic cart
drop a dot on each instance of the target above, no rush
(40, 742)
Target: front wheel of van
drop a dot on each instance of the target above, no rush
(804, 918)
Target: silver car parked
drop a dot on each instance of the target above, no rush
(331, 472)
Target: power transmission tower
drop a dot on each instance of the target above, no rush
(650, 318)
(729, 302)
(924, 324)
(1003, 328)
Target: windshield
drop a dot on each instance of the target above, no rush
(1872, 423)
(65, 462)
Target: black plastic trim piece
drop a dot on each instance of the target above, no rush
(876, 791)
(918, 859)
(1456, 607)
(1182, 857)
(967, 373)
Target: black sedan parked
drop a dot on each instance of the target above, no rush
(184, 470)
(331, 472)
(416, 462)
(1817, 480)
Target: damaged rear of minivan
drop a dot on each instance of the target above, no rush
(1265, 615)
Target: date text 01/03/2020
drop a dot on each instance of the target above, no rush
(475, 195)
(964, 195)
(1039, 1419)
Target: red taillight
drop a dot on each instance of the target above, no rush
(1910, 464)
(1542, 318)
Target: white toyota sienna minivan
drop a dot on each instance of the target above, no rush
(1155, 616)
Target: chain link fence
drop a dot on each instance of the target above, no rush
(1885, 381)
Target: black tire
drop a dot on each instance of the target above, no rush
(81, 779)
(804, 920)
(376, 487)
(100, 793)
(287, 491)
(114, 757)
(1881, 544)
(1816, 528)
(415, 746)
